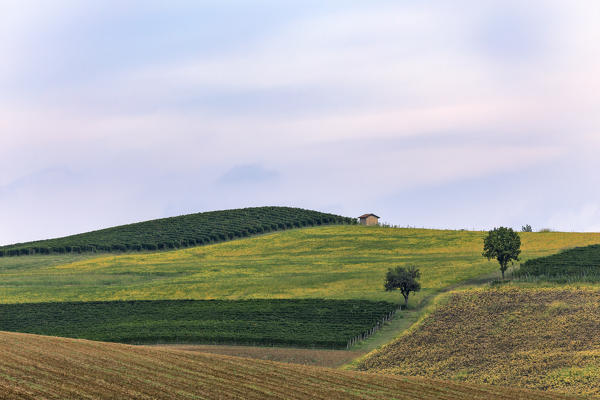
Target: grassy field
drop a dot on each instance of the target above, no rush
(295, 322)
(38, 367)
(326, 262)
(540, 338)
(336, 262)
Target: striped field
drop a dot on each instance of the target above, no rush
(39, 367)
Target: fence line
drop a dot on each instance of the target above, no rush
(364, 335)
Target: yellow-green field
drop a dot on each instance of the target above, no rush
(539, 338)
(337, 262)
(41, 367)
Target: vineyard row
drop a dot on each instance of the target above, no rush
(295, 322)
(180, 232)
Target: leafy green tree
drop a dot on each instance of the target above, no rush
(404, 279)
(504, 245)
(527, 228)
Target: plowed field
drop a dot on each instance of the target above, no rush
(318, 357)
(39, 367)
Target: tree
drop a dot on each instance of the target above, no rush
(404, 279)
(504, 245)
(527, 228)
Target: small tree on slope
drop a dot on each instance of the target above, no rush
(404, 279)
(504, 245)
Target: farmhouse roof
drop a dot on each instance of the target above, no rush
(368, 215)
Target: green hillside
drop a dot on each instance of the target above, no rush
(182, 231)
(295, 322)
(580, 263)
(335, 262)
(325, 263)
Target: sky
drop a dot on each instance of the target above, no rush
(460, 115)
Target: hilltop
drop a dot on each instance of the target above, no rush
(55, 368)
(182, 231)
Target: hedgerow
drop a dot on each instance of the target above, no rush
(182, 231)
(297, 322)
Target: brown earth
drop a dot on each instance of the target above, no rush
(316, 357)
(40, 367)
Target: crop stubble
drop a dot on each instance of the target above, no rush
(539, 338)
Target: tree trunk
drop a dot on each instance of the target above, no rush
(405, 301)
(503, 268)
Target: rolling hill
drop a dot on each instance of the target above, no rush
(182, 231)
(41, 367)
(317, 268)
(539, 338)
(333, 262)
(328, 264)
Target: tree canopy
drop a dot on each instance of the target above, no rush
(504, 245)
(403, 279)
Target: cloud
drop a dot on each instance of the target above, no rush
(308, 100)
(586, 218)
(249, 173)
(383, 71)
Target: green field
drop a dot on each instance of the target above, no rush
(334, 262)
(180, 232)
(300, 323)
(318, 264)
(577, 264)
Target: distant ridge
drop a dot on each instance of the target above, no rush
(182, 231)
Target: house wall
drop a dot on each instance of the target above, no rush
(371, 220)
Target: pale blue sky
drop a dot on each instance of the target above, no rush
(463, 114)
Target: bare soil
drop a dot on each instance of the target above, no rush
(316, 357)
(42, 367)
